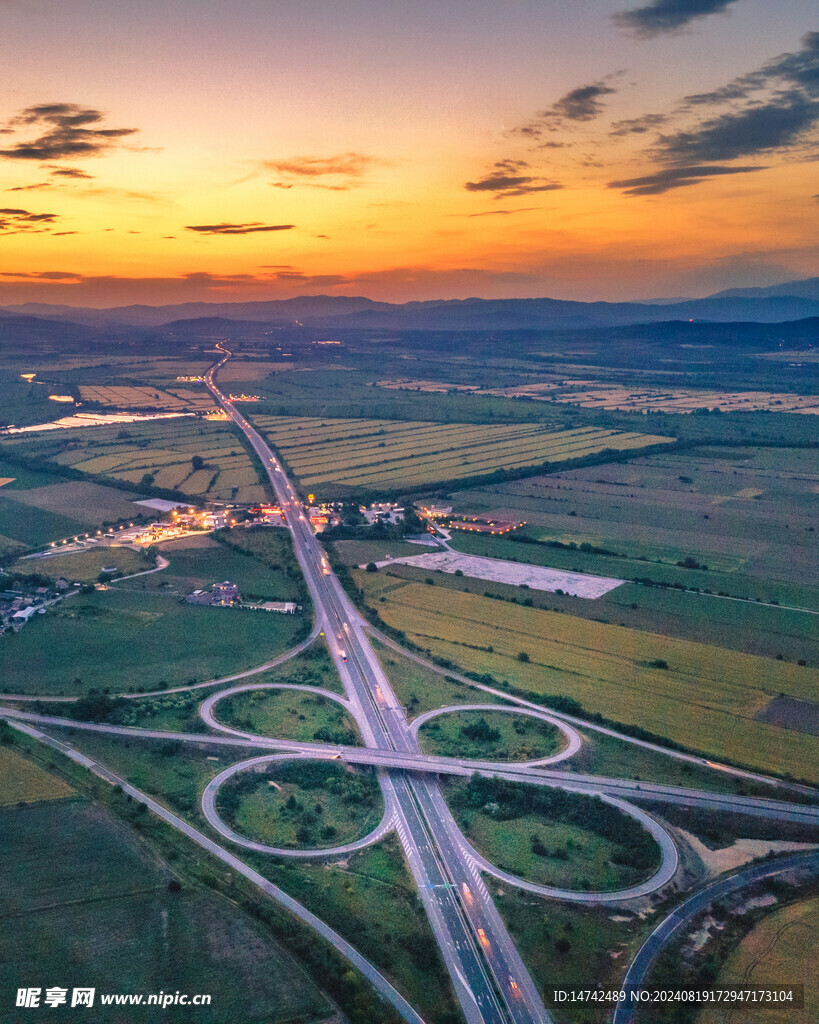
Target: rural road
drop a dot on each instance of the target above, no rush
(647, 954)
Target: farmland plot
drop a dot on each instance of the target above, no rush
(699, 695)
(162, 450)
(366, 453)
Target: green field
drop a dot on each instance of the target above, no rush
(733, 510)
(484, 736)
(360, 552)
(288, 714)
(125, 641)
(705, 697)
(771, 628)
(328, 454)
(27, 527)
(101, 914)
(159, 451)
(302, 804)
(605, 755)
(552, 837)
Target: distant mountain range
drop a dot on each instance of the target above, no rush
(795, 300)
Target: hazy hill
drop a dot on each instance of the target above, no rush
(794, 301)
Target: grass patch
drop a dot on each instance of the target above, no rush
(300, 804)
(778, 946)
(484, 736)
(369, 897)
(288, 714)
(606, 755)
(553, 837)
(34, 527)
(569, 946)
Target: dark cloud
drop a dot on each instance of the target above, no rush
(313, 280)
(506, 180)
(585, 103)
(638, 125)
(511, 185)
(62, 130)
(675, 177)
(780, 122)
(582, 104)
(661, 16)
(14, 221)
(237, 229)
(774, 108)
(69, 172)
(30, 188)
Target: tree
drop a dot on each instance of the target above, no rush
(371, 567)
(197, 462)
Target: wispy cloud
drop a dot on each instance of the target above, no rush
(675, 177)
(61, 131)
(505, 180)
(661, 16)
(578, 106)
(335, 173)
(502, 213)
(638, 125)
(237, 229)
(69, 172)
(14, 221)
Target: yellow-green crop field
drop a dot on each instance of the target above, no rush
(161, 448)
(367, 453)
(706, 698)
(22, 780)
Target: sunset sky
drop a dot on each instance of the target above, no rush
(405, 149)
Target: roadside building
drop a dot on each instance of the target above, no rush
(225, 593)
(283, 607)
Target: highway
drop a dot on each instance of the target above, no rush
(679, 918)
(487, 973)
